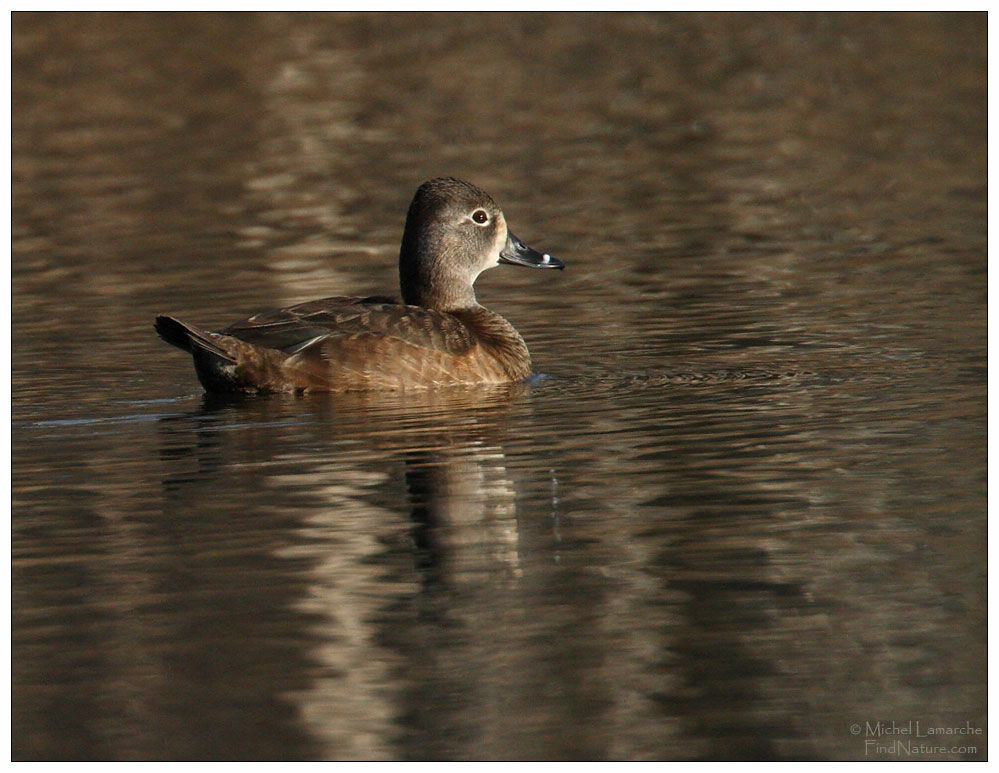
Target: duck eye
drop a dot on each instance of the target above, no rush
(480, 216)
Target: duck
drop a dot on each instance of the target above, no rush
(438, 335)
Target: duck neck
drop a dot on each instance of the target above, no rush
(434, 284)
(439, 297)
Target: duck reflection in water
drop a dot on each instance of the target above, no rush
(364, 573)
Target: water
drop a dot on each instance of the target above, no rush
(741, 516)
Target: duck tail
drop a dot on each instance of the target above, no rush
(188, 337)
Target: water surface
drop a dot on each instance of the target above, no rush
(742, 514)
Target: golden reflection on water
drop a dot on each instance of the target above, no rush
(464, 531)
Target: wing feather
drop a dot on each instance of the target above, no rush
(338, 321)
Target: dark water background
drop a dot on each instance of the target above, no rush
(745, 511)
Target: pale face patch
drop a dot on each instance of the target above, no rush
(499, 243)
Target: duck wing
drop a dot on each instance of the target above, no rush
(341, 344)
(316, 327)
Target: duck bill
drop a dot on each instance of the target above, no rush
(516, 253)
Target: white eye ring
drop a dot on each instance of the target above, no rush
(479, 217)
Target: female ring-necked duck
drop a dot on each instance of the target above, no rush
(438, 335)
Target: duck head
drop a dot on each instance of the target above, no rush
(455, 231)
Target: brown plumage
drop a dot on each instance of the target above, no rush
(439, 335)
